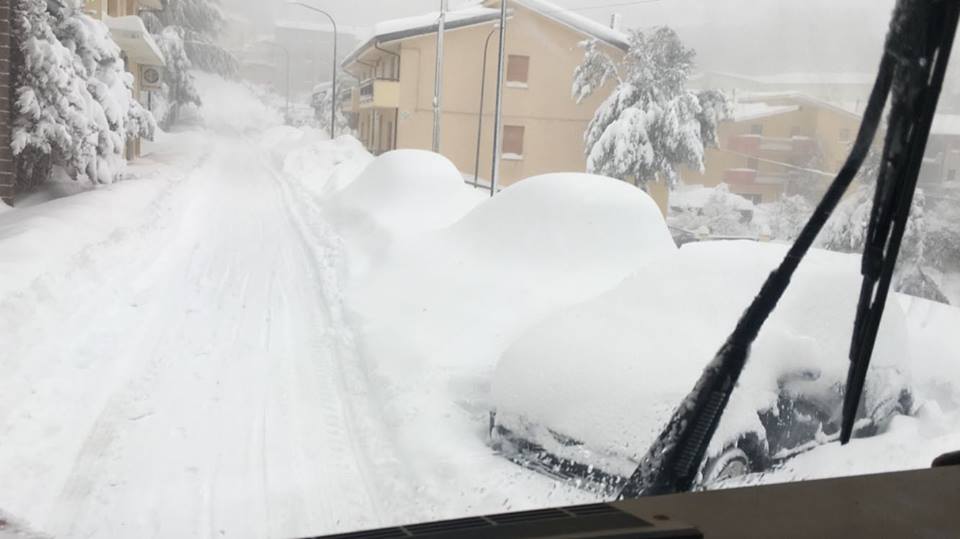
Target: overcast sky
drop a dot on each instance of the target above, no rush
(758, 36)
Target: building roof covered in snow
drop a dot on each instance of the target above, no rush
(578, 22)
(743, 111)
(132, 36)
(480, 12)
(799, 78)
(794, 98)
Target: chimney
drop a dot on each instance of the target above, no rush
(615, 21)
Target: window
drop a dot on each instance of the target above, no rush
(752, 163)
(518, 68)
(796, 131)
(951, 175)
(756, 129)
(513, 141)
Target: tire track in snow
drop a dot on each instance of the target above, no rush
(384, 474)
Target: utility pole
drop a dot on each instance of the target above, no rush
(498, 112)
(438, 76)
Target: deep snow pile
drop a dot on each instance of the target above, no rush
(407, 192)
(403, 193)
(935, 347)
(307, 155)
(437, 312)
(610, 371)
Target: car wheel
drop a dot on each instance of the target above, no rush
(733, 462)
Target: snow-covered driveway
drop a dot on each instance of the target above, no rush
(191, 379)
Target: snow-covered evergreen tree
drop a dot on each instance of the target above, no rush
(320, 101)
(186, 32)
(651, 123)
(73, 104)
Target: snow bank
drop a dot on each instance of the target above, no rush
(44, 236)
(935, 347)
(439, 309)
(407, 192)
(307, 155)
(231, 106)
(399, 194)
(697, 196)
(611, 370)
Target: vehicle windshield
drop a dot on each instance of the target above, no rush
(289, 268)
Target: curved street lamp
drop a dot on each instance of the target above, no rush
(333, 90)
(483, 80)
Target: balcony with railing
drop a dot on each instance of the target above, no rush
(379, 93)
(759, 144)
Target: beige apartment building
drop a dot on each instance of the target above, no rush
(543, 125)
(130, 34)
(778, 143)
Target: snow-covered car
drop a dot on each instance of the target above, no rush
(585, 392)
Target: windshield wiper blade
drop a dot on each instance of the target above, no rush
(928, 38)
(673, 461)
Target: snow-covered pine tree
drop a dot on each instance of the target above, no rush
(73, 104)
(651, 123)
(50, 100)
(186, 32)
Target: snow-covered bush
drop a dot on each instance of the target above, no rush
(73, 104)
(186, 32)
(651, 123)
(787, 216)
(847, 229)
(320, 101)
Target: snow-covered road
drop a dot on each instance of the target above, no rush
(192, 380)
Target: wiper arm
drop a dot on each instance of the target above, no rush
(673, 461)
(927, 38)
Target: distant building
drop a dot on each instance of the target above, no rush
(543, 125)
(776, 144)
(308, 45)
(847, 90)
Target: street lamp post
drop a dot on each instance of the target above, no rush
(483, 79)
(438, 76)
(498, 113)
(333, 84)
